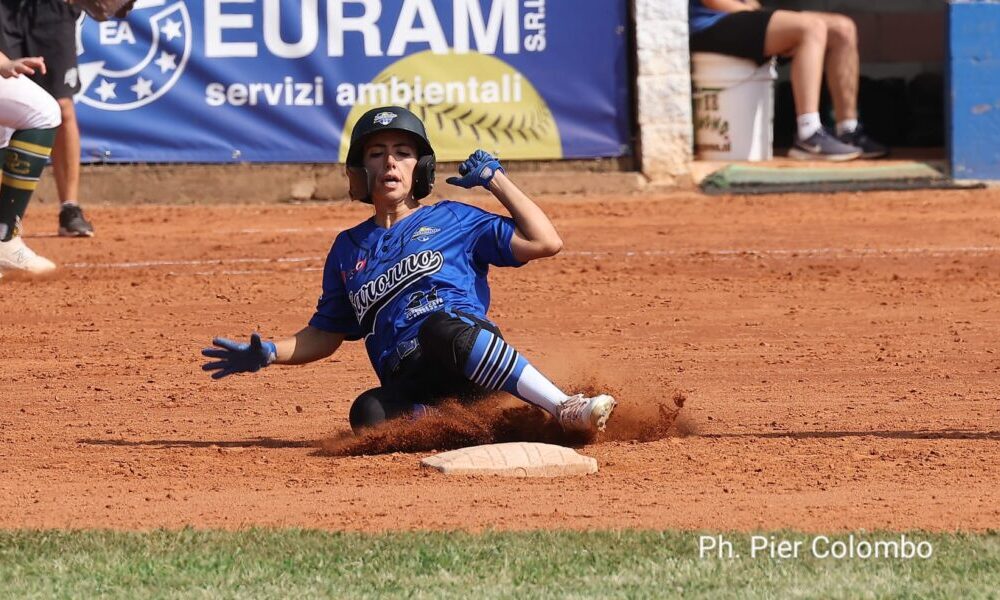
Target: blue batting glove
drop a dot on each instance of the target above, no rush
(477, 170)
(235, 357)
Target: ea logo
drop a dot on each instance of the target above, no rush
(125, 64)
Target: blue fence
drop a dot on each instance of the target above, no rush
(277, 80)
(974, 89)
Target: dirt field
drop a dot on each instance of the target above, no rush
(838, 355)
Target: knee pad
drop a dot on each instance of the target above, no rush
(367, 411)
(378, 405)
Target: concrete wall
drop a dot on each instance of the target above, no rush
(663, 89)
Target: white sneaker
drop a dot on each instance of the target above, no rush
(16, 256)
(586, 414)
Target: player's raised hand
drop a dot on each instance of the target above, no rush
(477, 170)
(234, 357)
(21, 66)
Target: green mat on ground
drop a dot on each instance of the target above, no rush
(748, 179)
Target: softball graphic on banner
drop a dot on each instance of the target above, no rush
(466, 101)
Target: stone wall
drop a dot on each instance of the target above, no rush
(663, 90)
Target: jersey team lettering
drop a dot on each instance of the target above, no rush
(386, 286)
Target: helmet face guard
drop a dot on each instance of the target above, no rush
(389, 118)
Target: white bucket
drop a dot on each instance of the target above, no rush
(733, 107)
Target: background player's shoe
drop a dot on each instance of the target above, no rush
(869, 147)
(16, 256)
(823, 146)
(72, 223)
(578, 413)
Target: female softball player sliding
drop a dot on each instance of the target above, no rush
(411, 281)
(29, 118)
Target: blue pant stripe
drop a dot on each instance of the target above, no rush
(499, 385)
(485, 342)
(501, 365)
(487, 363)
(494, 364)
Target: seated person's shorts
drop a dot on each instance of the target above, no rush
(736, 34)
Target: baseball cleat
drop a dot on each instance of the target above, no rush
(15, 255)
(72, 222)
(578, 413)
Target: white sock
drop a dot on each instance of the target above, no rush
(809, 124)
(847, 126)
(538, 390)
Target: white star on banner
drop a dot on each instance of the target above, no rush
(106, 90)
(142, 88)
(166, 62)
(172, 29)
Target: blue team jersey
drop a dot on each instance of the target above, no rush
(380, 284)
(700, 17)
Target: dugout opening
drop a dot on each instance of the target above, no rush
(901, 96)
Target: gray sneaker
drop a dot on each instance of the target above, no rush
(869, 147)
(823, 146)
(72, 223)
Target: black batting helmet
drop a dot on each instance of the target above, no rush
(387, 118)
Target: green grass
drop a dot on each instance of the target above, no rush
(630, 564)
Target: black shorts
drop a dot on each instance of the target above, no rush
(434, 370)
(739, 34)
(428, 374)
(45, 28)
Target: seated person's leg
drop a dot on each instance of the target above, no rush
(841, 63)
(804, 37)
(842, 75)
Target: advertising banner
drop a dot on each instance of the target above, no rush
(211, 81)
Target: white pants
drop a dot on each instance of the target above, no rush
(25, 105)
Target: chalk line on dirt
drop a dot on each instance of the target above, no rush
(732, 253)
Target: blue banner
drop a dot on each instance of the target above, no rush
(277, 80)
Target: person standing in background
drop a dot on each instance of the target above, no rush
(28, 121)
(47, 28)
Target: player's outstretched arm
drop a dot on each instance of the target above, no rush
(235, 357)
(536, 236)
(308, 345)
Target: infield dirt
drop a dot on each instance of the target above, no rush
(837, 355)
